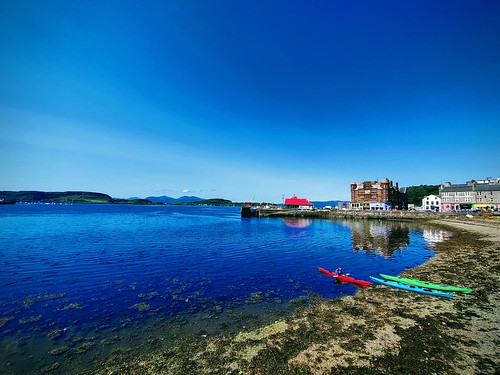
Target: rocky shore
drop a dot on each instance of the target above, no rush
(377, 331)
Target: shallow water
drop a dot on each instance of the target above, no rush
(82, 281)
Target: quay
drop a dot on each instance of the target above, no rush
(352, 214)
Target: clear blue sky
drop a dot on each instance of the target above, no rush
(247, 99)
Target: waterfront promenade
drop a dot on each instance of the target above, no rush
(356, 214)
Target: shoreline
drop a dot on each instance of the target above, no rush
(395, 215)
(379, 330)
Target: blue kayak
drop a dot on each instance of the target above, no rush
(411, 288)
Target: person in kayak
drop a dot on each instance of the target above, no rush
(338, 271)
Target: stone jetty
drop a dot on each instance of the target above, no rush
(356, 214)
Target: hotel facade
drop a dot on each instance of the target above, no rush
(378, 196)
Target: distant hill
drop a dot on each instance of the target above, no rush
(183, 199)
(91, 197)
(212, 202)
(56, 197)
(64, 197)
(191, 201)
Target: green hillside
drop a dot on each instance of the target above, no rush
(64, 197)
(417, 193)
(89, 197)
(210, 202)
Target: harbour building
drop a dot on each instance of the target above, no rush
(297, 203)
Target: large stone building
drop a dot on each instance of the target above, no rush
(474, 194)
(378, 196)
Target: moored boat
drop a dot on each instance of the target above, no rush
(411, 288)
(249, 211)
(424, 284)
(345, 278)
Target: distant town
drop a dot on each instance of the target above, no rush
(474, 195)
(384, 195)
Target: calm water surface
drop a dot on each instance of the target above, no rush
(79, 282)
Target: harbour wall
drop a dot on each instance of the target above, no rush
(354, 214)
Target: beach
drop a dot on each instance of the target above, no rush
(379, 330)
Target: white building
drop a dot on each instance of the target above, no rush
(380, 206)
(431, 203)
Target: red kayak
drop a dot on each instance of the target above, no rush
(345, 278)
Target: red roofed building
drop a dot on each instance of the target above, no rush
(298, 203)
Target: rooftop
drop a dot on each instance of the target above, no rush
(294, 201)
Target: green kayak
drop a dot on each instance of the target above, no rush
(424, 284)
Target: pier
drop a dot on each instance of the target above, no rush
(352, 214)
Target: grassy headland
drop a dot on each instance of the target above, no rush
(96, 198)
(64, 197)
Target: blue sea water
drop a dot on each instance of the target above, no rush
(79, 282)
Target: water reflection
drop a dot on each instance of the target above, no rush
(78, 287)
(384, 238)
(297, 227)
(434, 235)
